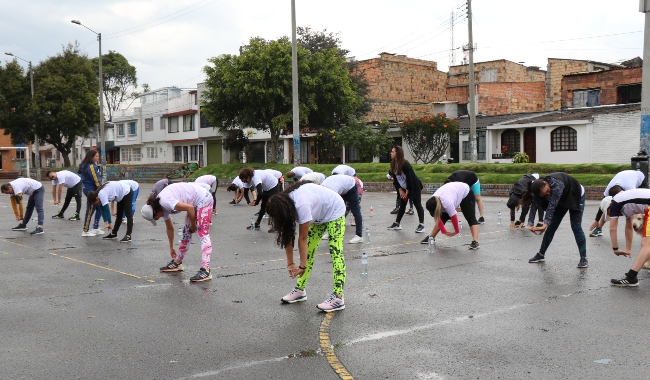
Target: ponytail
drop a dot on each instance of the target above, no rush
(94, 194)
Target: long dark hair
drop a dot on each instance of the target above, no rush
(154, 202)
(87, 160)
(283, 215)
(397, 163)
(532, 190)
(246, 173)
(94, 194)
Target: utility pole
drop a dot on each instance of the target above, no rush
(472, 95)
(452, 54)
(294, 87)
(644, 7)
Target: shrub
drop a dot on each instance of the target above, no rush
(520, 158)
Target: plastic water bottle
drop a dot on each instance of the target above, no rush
(253, 224)
(180, 234)
(367, 236)
(460, 228)
(499, 218)
(364, 263)
(371, 211)
(432, 245)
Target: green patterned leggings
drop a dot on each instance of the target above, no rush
(336, 230)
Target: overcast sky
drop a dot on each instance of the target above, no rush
(170, 41)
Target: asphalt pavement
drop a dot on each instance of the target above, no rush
(81, 308)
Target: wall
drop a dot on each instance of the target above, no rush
(616, 137)
(607, 81)
(505, 98)
(555, 70)
(507, 71)
(9, 155)
(580, 156)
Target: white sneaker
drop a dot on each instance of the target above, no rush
(97, 231)
(356, 240)
(89, 233)
(326, 236)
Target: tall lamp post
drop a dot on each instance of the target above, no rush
(37, 156)
(101, 102)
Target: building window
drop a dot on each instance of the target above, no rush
(205, 123)
(194, 153)
(148, 124)
(510, 142)
(173, 124)
(120, 130)
(564, 139)
(152, 153)
(178, 153)
(488, 75)
(132, 129)
(480, 147)
(126, 154)
(188, 123)
(586, 98)
(20, 154)
(137, 154)
(163, 123)
(628, 94)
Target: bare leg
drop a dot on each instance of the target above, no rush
(474, 230)
(479, 201)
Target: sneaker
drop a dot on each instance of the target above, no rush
(110, 236)
(172, 266)
(537, 258)
(214, 212)
(395, 210)
(74, 217)
(596, 232)
(231, 202)
(296, 295)
(426, 240)
(124, 220)
(37, 231)
(420, 229)
(518, 223)
(410, 212)
(126, 239)
(88, 234)
(481, 220)
(201, 275)
(326, 236)
(272, 230)
(332, 303)
(356, 240)
(474, 245)
(97, 231)
(540, 224)
(20, 227)
(256, 228)
(395, 226)
(625, 281)
(583, 263)
(58, 216)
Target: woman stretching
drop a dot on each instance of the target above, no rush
(317, 209)
(196, 201)
(442, 206)
(121, 192)
(408, 186)
(91, 179)
(557, 193)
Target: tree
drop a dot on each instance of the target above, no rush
(65, 99)
(428, 137)
(15, 99)
(369, 140)
(328, 146)
(120, 81)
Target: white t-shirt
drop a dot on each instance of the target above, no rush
(274, 173)
(195, 195)
(317, 204)
(344, 169)
(450, 195)
(238, 182)
(113, 191)
(66, 178)
(132, 184)
(300, 171)
(208, 178)
(627, 179)
(267, 180)
(340, 184)
(27, 186)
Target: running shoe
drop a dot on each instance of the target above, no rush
(88, 234)
(37, 231)
(58, 216)
(420, 229)
(356, 240)
(474, 245)
(172, 266)
(540, 224)
(518, 223)
(481, 220)
(583, 263)
(126, 239)
(74, 217)
(110, 236)
(332, 303)
(97, 231)
(596, 232)
(201, 275)
(537, 258)
(395, 210)
(625, 281)
(426, 240)
(20, 227)
(296, 295)
(395, 226)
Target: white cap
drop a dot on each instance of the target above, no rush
(604, 204)
(147, 213)
(313, 177)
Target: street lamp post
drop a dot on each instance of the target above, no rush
(37, 156)
(101, 102)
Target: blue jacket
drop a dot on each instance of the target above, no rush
(90, 176)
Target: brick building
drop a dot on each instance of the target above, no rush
(11, 160)
(618, 86)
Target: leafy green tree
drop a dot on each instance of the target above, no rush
(428, 137)
(120, 81)
(369, 140)
(15, 100)
(328, 146)
(65, 104)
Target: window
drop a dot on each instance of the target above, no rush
(628, 94)
(148, 124)
(20, 154)
(173, 124)
(488, 75)
(163, 122)
(586, 98)
(132, 129)
(510, 142)
(188, 123)
(564, 139)
(186, 155)
(120, 130)
(126, 154)
(152, 153)
(131, 154)
(480, 147)
(194, 153)
(178, 153)
(205, 123)
(137, 154)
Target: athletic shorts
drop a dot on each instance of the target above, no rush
(476, 188)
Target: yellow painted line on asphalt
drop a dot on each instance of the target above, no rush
(11, 242)
(100, 267)
(326, 348)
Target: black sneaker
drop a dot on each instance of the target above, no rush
(58, 216)
(37, 231)
(231, 202)
(426, 240)
(395, 210)
(126, 239)
(537, 258)
(172, 266)
(625, 281)
(420, 229)
(540, 224)
(110, 236)
(256, 228)
(201, 275)
(481, 220)
(395, 226)
(20, 227)
(583, 263)
(74, 217)
(518, 223)
(474, 245)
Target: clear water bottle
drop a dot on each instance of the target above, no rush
(367, 235)
(372, 210)
(460, 228)
(499, 218)
(252, 224)
(180, 234)
(432, 245)
(364, 263)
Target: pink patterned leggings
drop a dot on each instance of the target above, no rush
(203, 219)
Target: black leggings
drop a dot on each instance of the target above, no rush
(71, 192)
(264, 199)
(398, 198)
(124, 207)
(468, 208)
(416, 198)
